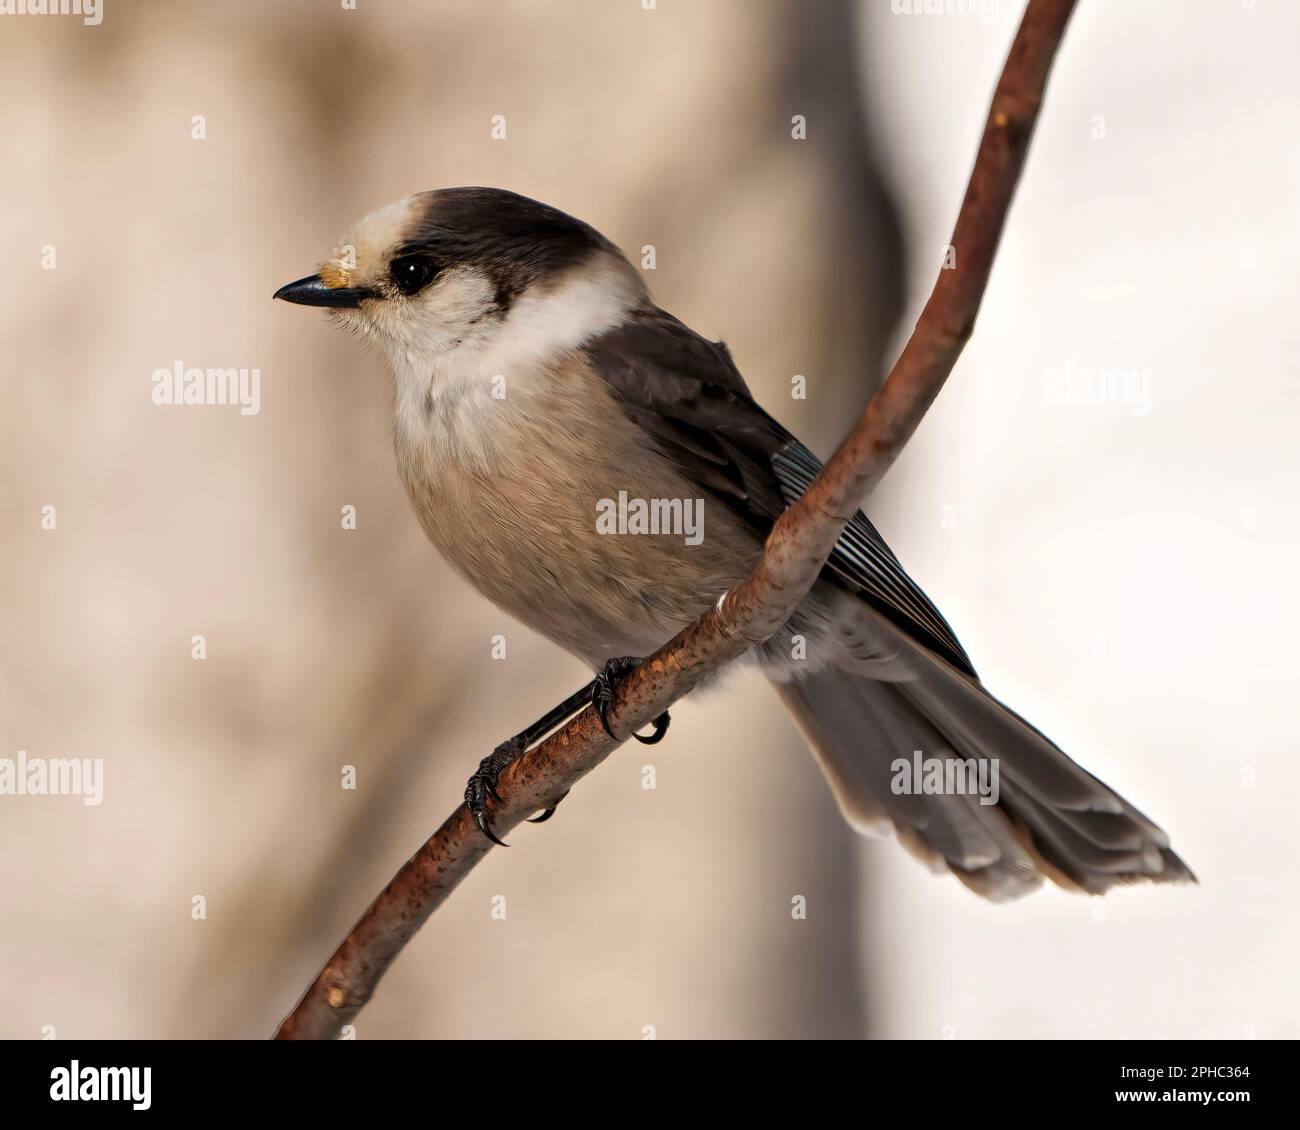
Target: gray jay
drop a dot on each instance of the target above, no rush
(536, 383)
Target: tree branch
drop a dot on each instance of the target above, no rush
(797, 548)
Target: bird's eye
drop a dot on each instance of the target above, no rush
(412, 273)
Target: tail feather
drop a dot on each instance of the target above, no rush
(1052, 819)
(856, 728)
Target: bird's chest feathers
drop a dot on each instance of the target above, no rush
(484, 415)
(497, 458)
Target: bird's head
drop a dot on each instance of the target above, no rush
(463, 266)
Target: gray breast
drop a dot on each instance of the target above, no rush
(511, 495)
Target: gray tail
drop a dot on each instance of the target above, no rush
(1051, 818)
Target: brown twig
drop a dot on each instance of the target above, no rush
(796, 550)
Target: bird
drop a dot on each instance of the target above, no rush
(536, 381)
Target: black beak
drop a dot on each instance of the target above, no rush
(312, 291)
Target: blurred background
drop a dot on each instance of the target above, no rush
(1119, 566)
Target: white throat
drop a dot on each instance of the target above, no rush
(459, 394)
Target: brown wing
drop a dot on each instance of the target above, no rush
(690, 398)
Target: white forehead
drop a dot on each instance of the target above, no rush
(367, 246)
(383, 228)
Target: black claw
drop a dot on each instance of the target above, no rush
(483, 784)
(602, 698)
(661, 728)
(602, 689)
(602, 708)
(545, 816)
(481, 819)
(480, 787)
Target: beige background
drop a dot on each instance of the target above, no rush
(1124, 579)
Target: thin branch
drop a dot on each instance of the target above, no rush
(797, 548)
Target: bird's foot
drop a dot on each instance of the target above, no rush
(603, 689)
(483, 784)
(481, 791)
